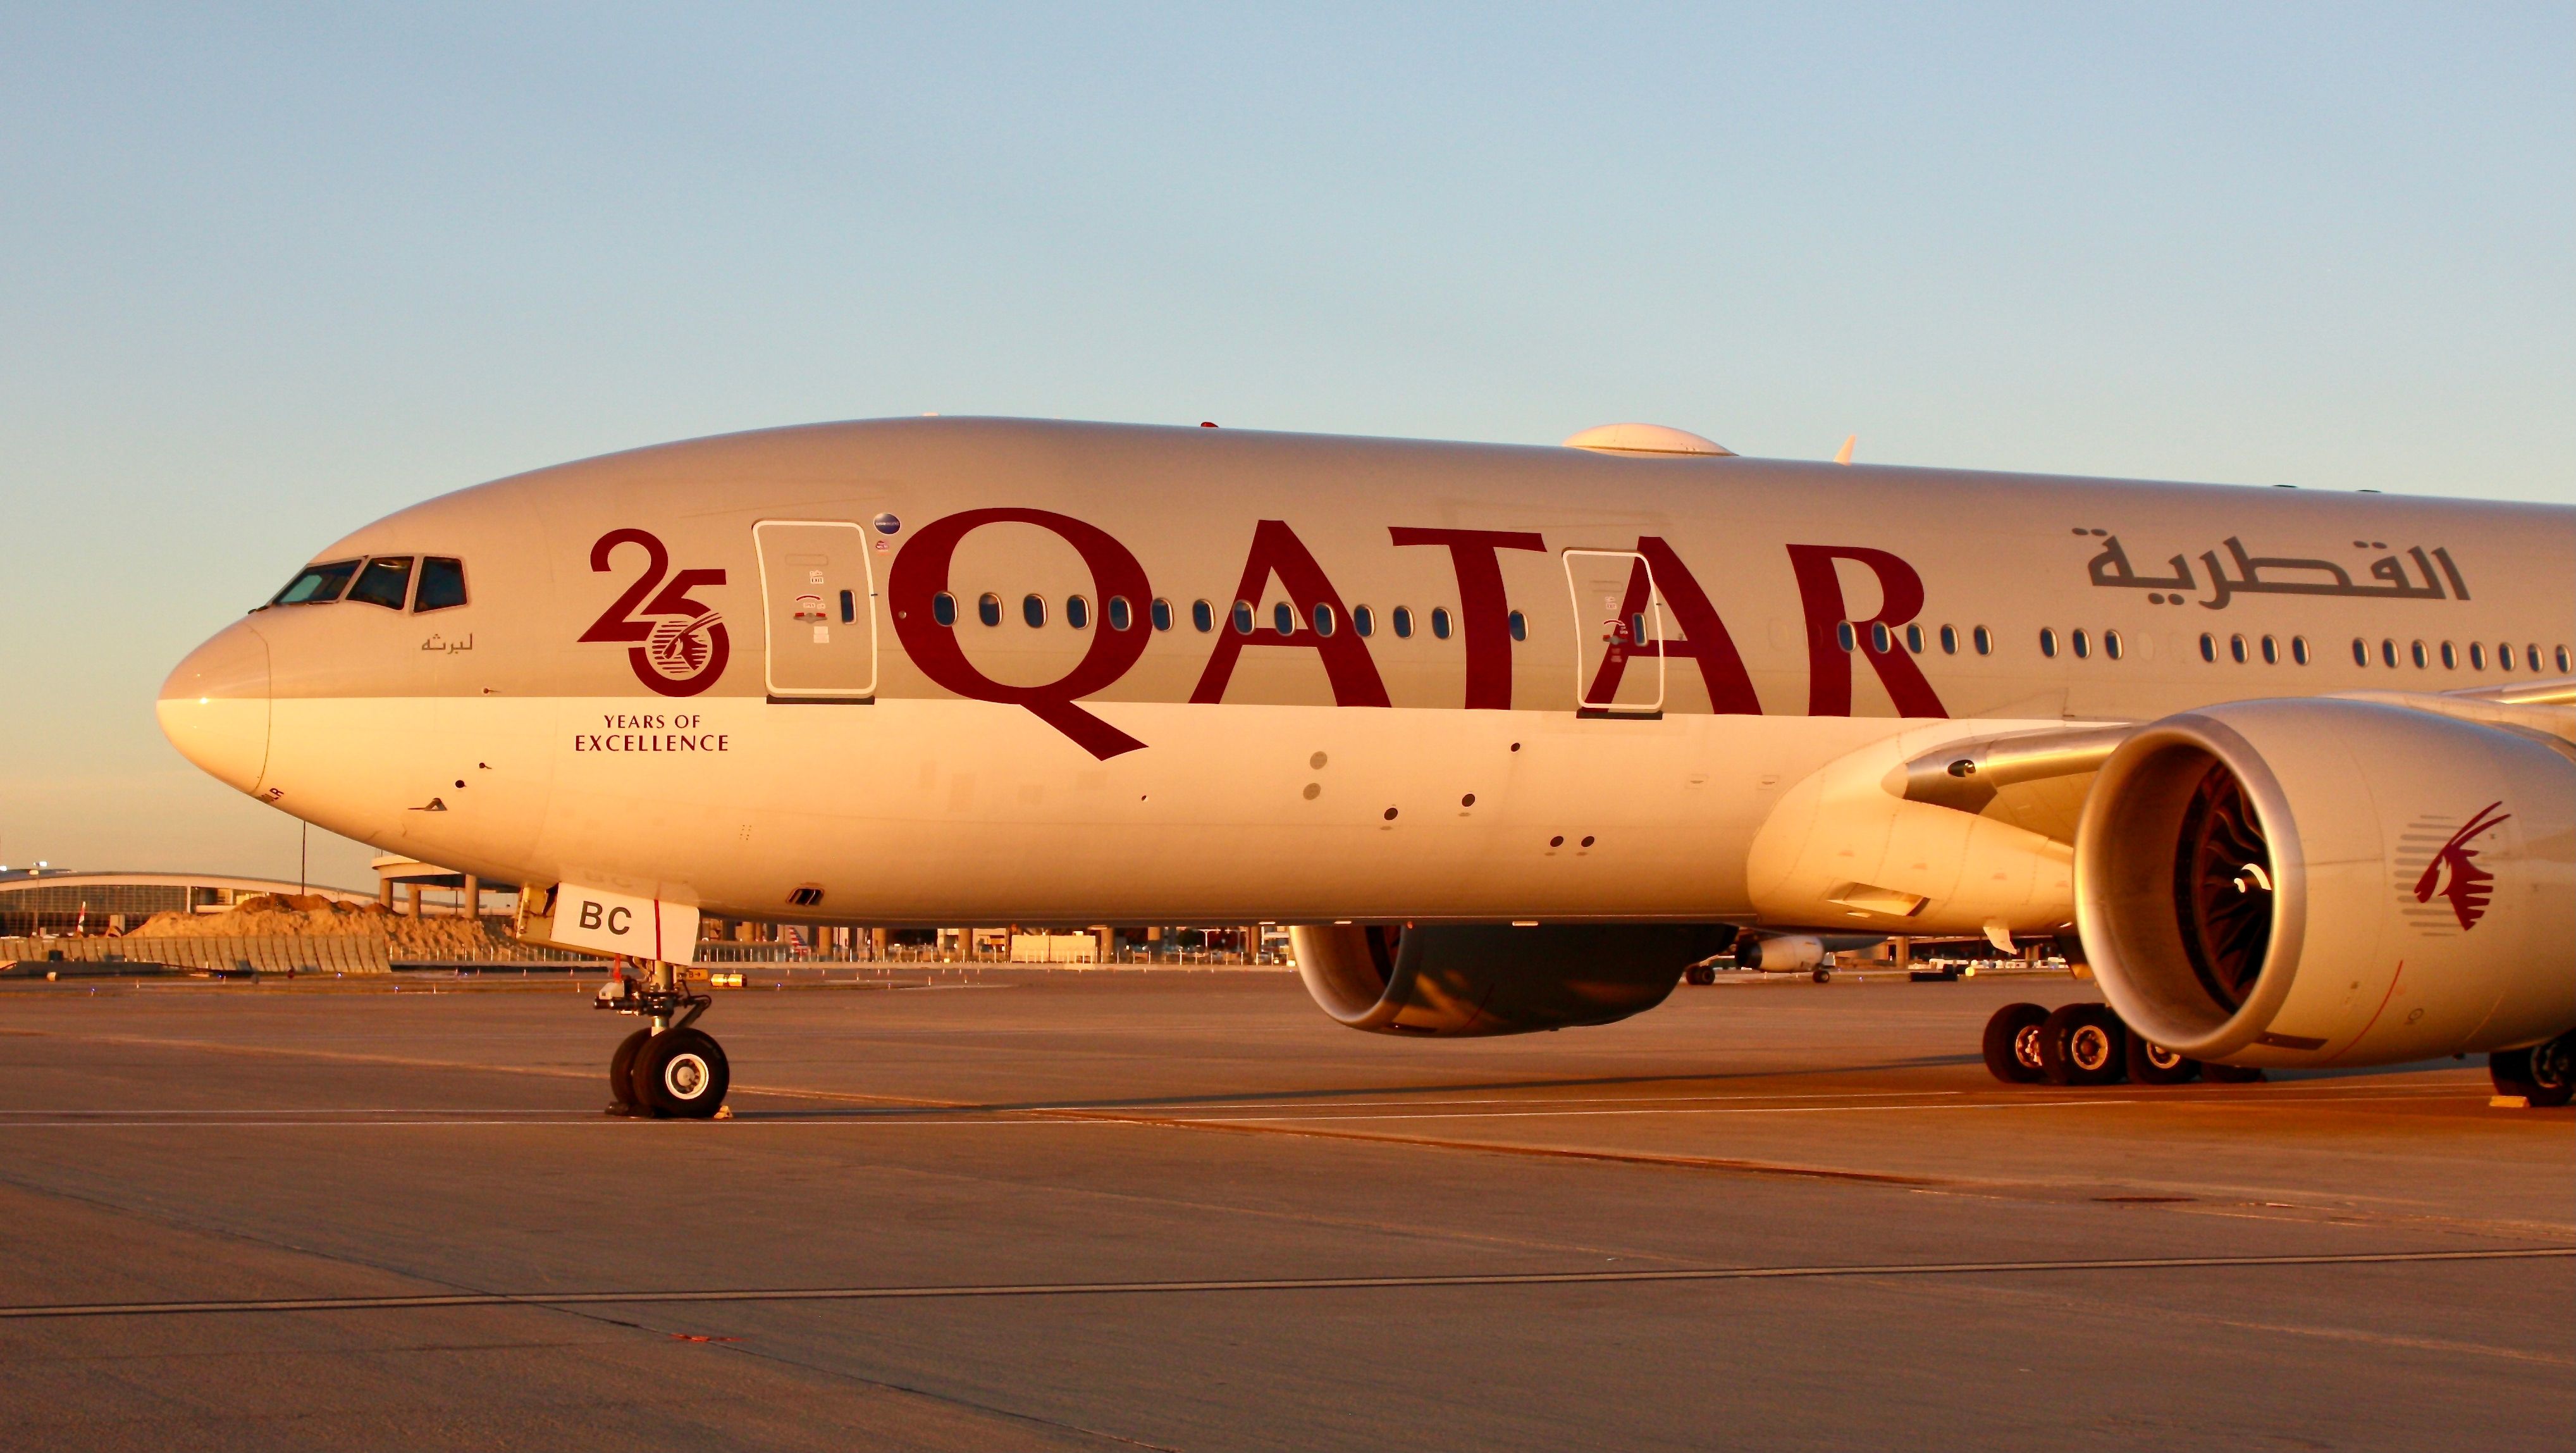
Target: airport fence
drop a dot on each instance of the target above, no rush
(277, 954)
(339, 953)
(359, 953)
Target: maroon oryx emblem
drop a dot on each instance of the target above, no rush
(2454, 872)
(678, 645)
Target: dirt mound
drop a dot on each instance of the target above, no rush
(291, 915)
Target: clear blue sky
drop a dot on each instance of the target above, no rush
(268, 273)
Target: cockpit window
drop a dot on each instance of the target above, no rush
(318, 584)
(386, 582)
(442, 584)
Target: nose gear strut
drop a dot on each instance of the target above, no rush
(667, 1070)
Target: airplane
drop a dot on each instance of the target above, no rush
(1509, 735)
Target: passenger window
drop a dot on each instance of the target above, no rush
(1949, 640)
(1033, 610)
(2208, 647)
(1520, 626)
(386, 582)
(2477, 655)
(1323, 620)
(318, 585)
(2388, 651)
(2271, 652)
(1202, 615)
(2047, 641)
(2360, 651)
(1844, 637)
(2562, 660)
(988, 609)
(2417, 651)
(1077, 612)
(2111, 644)
(1283, 618)
(1440, 621)
(1364, 621)
(943, 608)
(1985, 641)
(2236, 648)
(1914, 639)
(1243, 617)
(1120, 617)
(1880, 641)
(1162, 613)
(442, 584)
(2450, 657)
(1402, 620)
(2299, 649)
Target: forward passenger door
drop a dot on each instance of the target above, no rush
(818, 604)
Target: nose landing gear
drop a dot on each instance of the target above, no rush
(668, 1070)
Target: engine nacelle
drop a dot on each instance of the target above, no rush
(1781, 952)
(2322, 881)
(1470, 979)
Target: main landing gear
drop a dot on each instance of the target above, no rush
(667, 1070)
(2544, 1074)
(2087, 1044)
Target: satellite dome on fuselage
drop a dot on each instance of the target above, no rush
(1645, 439)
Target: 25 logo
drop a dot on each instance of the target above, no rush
(681, 647)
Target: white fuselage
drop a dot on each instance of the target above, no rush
(738, 734)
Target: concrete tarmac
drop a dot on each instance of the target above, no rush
(1187, 1211)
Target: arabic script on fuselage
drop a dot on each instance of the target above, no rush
(2387, 577)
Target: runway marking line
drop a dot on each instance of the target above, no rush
(437, 1300)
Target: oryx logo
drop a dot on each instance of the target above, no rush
(678, 646)
(2454, 872)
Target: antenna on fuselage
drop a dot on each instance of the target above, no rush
(1843, 455)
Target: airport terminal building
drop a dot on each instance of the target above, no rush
(39, 903)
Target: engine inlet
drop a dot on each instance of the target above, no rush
(2223, 887)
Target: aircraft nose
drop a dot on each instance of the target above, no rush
(214, 707)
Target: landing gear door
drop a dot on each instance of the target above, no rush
(1618, 633)
(817, 600)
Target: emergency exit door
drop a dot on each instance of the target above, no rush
(1618, 633)
(817, 598)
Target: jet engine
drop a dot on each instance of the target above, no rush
(2331, 881)
(1468, 979)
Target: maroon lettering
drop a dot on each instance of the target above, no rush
(921, 573)
(1829, 666)
(1276, 550)
(1703, 637)
(1484, 610)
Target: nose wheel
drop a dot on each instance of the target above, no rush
(666, 1070)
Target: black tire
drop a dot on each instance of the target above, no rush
(680, 1074)
(2012, 1044)
(2151, 1063)
(2233, 1074)
(1700, 974)
(2540, 1074)
(2083, 1044)
(1822, 975)
(621, 1071)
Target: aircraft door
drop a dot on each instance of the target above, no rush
(818, 603)
(1619, 632)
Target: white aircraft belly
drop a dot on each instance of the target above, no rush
(931, 811)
